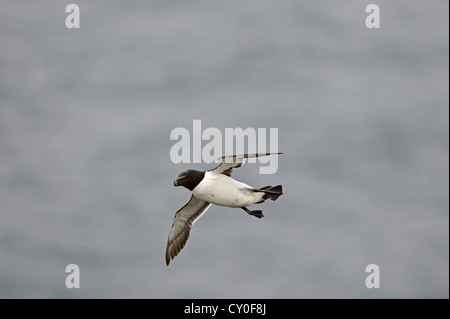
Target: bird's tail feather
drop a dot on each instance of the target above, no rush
(270, 192)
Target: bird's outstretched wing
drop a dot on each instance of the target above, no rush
(184, 218)
(234, 161)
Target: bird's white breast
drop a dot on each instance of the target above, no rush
(223, 190)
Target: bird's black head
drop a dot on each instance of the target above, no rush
(189, 179)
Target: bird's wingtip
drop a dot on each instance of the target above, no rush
(167, 257)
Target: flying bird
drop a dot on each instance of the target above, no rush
(215, 187)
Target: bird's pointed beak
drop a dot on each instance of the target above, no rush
(180, 180)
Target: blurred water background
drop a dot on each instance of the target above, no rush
(363, 120)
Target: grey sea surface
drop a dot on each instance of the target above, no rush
(86, 176)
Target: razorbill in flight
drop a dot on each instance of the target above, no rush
(214, 187)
